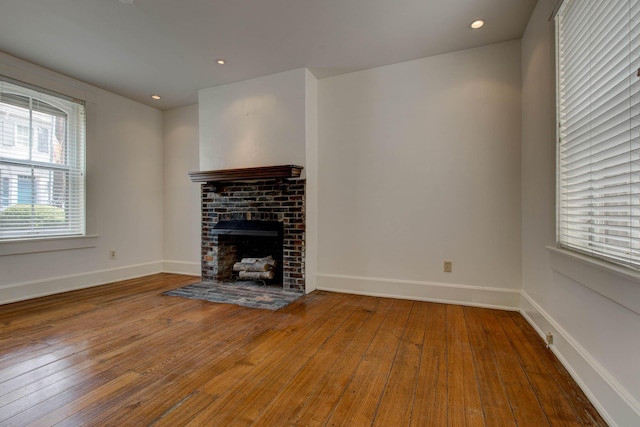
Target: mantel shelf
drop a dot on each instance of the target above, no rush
(247, 174)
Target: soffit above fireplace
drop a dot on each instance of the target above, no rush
(247, 174)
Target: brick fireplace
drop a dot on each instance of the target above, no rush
(240, 195)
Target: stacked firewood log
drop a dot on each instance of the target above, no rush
(255, 268)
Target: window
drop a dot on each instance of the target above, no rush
(4, 192)
(22, 135)
(6, 132)
(25, 190)
(42, 167)
(598, 93)
(43, 140)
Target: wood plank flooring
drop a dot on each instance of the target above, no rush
(125, 355)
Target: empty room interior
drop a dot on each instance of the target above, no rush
(446, 191)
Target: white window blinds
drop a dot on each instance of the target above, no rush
(42, 178)
(598, 55)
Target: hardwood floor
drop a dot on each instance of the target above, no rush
(123, 354)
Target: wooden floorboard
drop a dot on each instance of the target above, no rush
(123, 354)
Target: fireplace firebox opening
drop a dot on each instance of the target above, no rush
(240, 240)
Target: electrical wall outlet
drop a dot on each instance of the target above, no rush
(448, 266)
(549, 339)
(112, 254)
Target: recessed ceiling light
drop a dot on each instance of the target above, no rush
(478, 23)
(221, 61)
(126, 1)
(156, 97)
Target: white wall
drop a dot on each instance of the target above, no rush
(181, 206)
(419, 162)
(592, 311)
(124, 195)
(258, 122)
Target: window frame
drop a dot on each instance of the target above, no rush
(74, 165)
(597, 204)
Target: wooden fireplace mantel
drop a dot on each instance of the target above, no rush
(247, 174)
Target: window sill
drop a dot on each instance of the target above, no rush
(619, 284)
(19, 247)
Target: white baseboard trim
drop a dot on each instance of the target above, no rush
(182, 267)
(604, 391)
(477, 296)
(39, 288)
